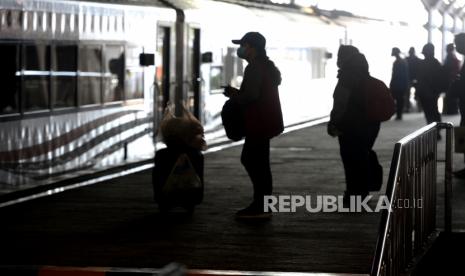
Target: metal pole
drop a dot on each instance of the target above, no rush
(430, 25)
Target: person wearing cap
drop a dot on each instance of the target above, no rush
(399, 81)
(259, 98)
(429, 84)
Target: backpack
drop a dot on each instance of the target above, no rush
(233, 119)
(379, 103)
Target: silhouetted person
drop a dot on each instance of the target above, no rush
(399, 81)
(429, 86)
(413, 66)
(451, 69)
(458, 87)
(348, 121)
(259, 97)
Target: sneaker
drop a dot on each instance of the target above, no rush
(254, 211)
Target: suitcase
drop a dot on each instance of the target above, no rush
(177, 178)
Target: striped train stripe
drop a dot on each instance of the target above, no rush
(39, 149)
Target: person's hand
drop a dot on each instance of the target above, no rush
(332, 130)
(230, 91)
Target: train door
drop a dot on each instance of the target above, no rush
(194, 96)
(162, 73)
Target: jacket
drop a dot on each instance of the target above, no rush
(400, 76)
(259, 97)
(349, 106)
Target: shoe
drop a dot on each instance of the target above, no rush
(460, 174)
(254, 211)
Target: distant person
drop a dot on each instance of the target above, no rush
(413, 67)
(348, 121)
(451, 69)
(457, 88)
(259, 97)
(399, 82)
(428, 86)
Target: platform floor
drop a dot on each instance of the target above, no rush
(116, 224)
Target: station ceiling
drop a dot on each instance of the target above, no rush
(452, 7)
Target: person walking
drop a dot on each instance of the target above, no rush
(429, 84)
(259, 98)
(399, 82)
(413, 66)
(349, 122)
(451, 69)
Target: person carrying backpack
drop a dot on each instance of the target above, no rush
(259, 98)
(349, 122)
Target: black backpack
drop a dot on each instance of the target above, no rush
(233, 119)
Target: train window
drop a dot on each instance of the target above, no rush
(36, 75)
(39, 20)
(64, 60)
(88, 23)
(96, 24)
(90, 74)
(25, 20)
(104, 23)
(9, 55)
(111, 23)
(134, 74)
(216, 78)
(72, 22)
(119, 24)
(81, 22)
(9, 19)
(34, 21)
(43, 21)
(114, 73)
(62, 22)
(53, 21)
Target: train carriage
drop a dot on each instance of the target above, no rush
(75, 93)
(85, 84)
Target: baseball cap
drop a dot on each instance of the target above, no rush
(254, 39)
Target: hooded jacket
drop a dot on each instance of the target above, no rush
(348, 106)
(259, 97)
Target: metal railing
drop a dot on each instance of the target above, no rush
(410, 223)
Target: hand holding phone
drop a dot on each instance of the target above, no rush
(228, 90)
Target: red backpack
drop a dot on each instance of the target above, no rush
(379, 103)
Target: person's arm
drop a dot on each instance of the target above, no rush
(341, 100)
(250, 87)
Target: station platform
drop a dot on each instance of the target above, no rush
(115, 223)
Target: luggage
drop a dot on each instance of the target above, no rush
(178, 178)
(233, 119)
